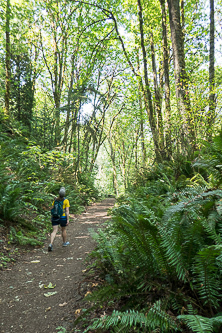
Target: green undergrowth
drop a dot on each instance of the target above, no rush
(30, 179)
(158, 262)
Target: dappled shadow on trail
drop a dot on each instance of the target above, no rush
(26, 305)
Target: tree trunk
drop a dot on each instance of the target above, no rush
(141, 119)
(67, 124)
(182, 15)
(123, 153)
(167, 82)
(56, 66)
(56, 93)
(113, 157)
(7, 61)
(18, 89)
(212, 104)
(181, 79)
(99, 142)
(146, 90)
(142, 131)
(157, 100)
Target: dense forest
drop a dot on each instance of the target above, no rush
(120, 98)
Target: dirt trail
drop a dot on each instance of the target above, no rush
(23, 305)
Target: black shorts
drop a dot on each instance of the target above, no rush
(62, 221)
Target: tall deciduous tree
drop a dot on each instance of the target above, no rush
(157, 99)
(212, 104)
(54, 50)
(146, 89)
(7, 59)
(181, 79)
(167, 80)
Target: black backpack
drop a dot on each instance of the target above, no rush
(57, 210)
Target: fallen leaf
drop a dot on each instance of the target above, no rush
(50, 293)
(50, 286)
(88, 292)
(63, 304)
(77, 311)
(48, 309)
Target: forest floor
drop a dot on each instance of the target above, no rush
(25, 304)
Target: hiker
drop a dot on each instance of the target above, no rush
(60, 216)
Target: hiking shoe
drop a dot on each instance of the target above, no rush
(50, 247)
(65, 244)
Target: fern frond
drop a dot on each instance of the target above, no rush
(209, 226)
(155, 318)
(106, 293)
(207, 275)
(173, 252)
(140, 231)
(201, 324)
(197, 323)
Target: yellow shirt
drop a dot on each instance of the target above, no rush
(65, 204)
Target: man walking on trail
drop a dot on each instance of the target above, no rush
(57, 219)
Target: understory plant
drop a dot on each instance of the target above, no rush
(160, 259)
(30, 179)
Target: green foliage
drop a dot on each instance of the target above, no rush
(5, 259)
(207, 272)
(10, 201)
(211, 160)
(162, 246)
(202, 324)
(134, 321)
(20, 238)
(30, 179)
(61, 329)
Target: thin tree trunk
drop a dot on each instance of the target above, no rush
(167, 81)
(157, 100)
(182, 15)
(100, 141)
(19, 89)
(123, 164)
(141, 119)
(56, 93)
(7, 62)
(142, 131)
(212, 104)
(113, 157)
(146, 91)
(67, 124)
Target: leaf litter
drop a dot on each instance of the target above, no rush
(50, 293)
